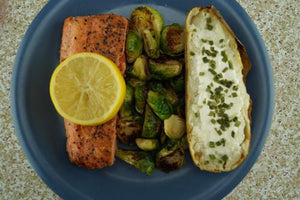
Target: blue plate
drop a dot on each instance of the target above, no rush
(40, 129)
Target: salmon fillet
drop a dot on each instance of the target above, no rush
(94, 146)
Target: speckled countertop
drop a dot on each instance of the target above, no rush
(276, 173)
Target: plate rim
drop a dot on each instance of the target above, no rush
(62, 191)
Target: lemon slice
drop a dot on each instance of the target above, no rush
(87, 89)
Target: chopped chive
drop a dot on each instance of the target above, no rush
(221, 40)
(205, 60)
(204, 101)
(192, 53)
(235, 87)
(234, 94)
(230, 64)
(212, 156)
(212, 114)
(224, 55)
(224, 158)
(211, 42)
(212, 71)
(220, 161)
(206, 162)
(208, 20)
(225, 69)
(203, 40)
(197, 114)
(232, 134)
(211, 144)
(218, 143)
(194, 30)
(213, 121)
(209, 27)
(223, 141)
(201, 73)
(237, 123)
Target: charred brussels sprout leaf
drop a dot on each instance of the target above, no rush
(172, 40)
(151, 124)
(140, 93)
(147, 23)
(159, 105)
(147, 144)
(164, 69)
(126, 109)
(140, 68)
(134, 46)
(170, 157)
(143, 161)
(168, 92)
(129, 128)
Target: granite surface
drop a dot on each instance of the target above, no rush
(276, 172)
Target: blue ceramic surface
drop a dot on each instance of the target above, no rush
(40, 129)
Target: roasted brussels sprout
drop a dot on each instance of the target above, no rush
(134, 82)
(147, 144)
(170, 157)
(166, 91)
(140, 93)
(151, 124)
(172, 40)
(159, 105)
(164, 69)
(151, 45)
(147, 23)
(174, 127)
(139, 159)
(177, 83)
(129, 128)
(140, 68)
(126, 109)
(134, 46)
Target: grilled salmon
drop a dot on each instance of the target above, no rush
(94, 146)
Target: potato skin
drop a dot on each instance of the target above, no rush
(246, 68)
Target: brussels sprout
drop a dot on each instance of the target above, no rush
(147, 23)
(164, 69)
(143, 161)
(133, 82)
(172, 40)
(151, 124)
(126, 109)
(159, 105)
(174, 127)
(134, 46)
(140, 98)
(151, 45)
(170, 157)
(166, 91)
(147, 144)
(177, 83)
(129, 128)
(140, 68)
